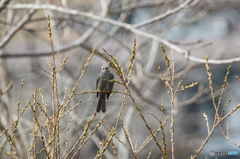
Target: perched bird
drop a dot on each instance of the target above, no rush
(105, 86)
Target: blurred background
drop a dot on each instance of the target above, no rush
(192, 28)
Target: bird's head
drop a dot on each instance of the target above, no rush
(105, 68)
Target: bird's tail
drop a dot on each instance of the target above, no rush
(101, 104)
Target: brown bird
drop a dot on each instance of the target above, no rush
(105, 86)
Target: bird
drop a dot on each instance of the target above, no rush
(104, 86)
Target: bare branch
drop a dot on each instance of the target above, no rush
(166, 14)
(6, 89)
(139, 5)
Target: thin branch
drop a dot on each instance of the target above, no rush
(39, 53)
(6, 89)
(227, 135)
(122, 143)
(137, 5)
(196, 98)
(166, 14)
(177, 75)
(200, 45)
(129, 141)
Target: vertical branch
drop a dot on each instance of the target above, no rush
(33, 107)
(67, 136)
(18, 103)
(54, 83)
(207, 124)
(163, 133)
(211, 88)
(114, 150)
(171, 93)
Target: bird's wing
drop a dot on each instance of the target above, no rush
(112, 83)
(97, 84)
